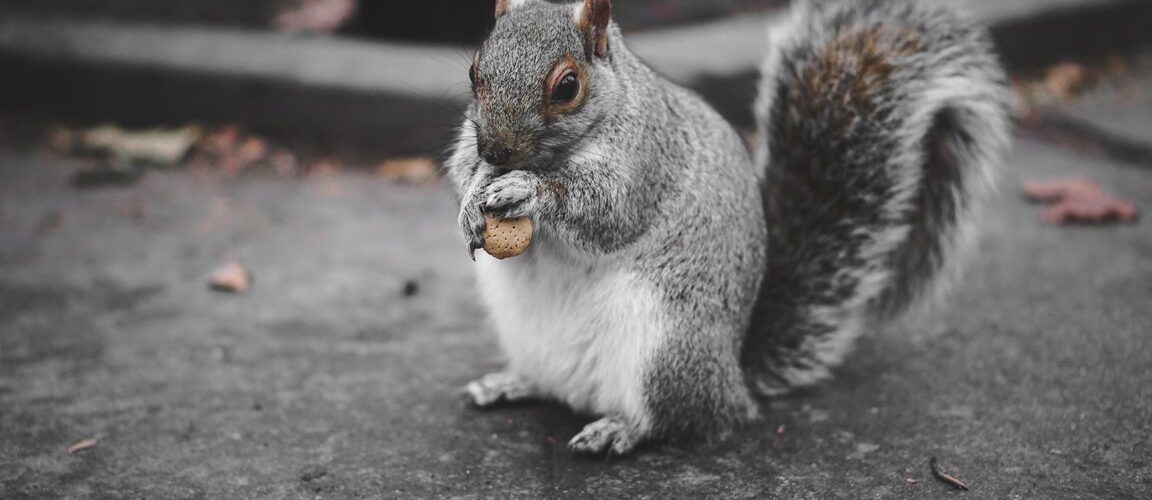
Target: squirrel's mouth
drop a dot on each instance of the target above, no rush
(537, 156)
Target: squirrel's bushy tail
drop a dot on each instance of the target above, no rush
(882, 125)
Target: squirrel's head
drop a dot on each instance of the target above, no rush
(540, 80)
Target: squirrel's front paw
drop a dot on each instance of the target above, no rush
(471, 221)
(607, 435)
(511, 196)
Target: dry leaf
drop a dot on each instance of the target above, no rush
(945, 477)
(1066, 81)
(165, 147)
(323, 167)
(252, 150)
(61, 140)
(222, 140)
(284, 163)
(81, 446)
(315, 16)
(1080, 201)
(231, 278)
(409, 170)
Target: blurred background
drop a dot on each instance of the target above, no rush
(369, 79)
(335, 75)
(229, 267)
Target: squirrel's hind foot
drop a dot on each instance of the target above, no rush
(608, 435)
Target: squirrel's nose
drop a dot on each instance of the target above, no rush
(497, 155)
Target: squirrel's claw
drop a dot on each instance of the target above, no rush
(611, 435)
(472, 225)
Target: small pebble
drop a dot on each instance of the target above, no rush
(313, 474)
(411, 288)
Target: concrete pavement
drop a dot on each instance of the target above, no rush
(328, 380)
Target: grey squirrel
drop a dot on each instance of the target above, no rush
(675, 277)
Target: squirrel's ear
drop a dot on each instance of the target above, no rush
(592, 18)
(506, 6)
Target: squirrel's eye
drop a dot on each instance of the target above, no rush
(472, 76)
(566, 89)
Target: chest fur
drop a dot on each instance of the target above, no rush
(582, 332)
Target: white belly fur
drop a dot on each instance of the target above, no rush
(582, 332)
